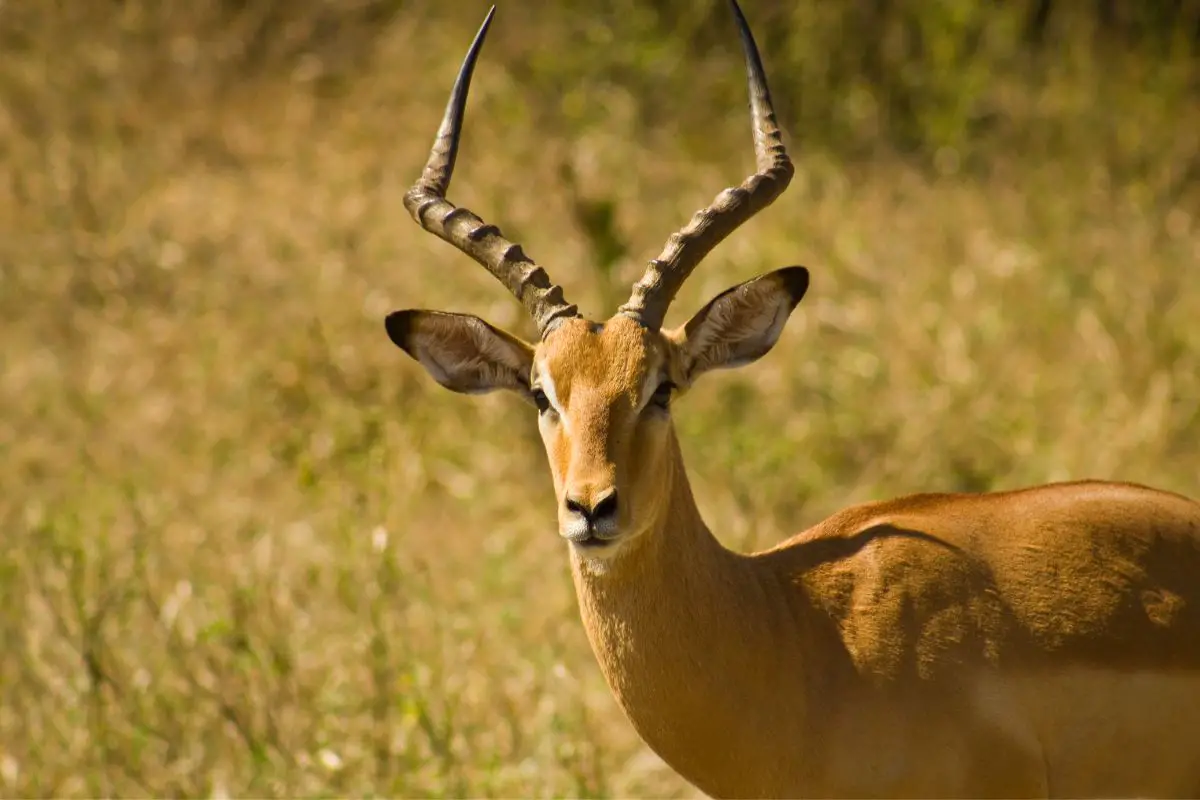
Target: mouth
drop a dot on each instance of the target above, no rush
(591, 542)
(589, 539)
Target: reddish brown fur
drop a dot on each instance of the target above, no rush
(1042, 642)
(1032, 643)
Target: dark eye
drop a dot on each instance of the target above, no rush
(662, 395)
(540, 400)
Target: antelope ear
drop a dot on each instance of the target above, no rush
(741, 324)
(462, 352)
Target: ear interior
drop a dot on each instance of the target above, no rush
(461, 351)
(743, 323)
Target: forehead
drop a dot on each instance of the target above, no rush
(618, 354)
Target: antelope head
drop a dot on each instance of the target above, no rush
(603, 391)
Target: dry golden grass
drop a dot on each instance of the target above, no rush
(250, 549)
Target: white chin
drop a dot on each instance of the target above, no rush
(597, 557)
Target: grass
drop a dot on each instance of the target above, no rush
(252, 550)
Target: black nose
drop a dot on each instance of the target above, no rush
(605, 508)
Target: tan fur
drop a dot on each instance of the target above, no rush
(1028, 643)
(1042, 642)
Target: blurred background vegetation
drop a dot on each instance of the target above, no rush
(250, 549)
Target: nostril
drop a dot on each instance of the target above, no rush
(576, 507)
(607, 507)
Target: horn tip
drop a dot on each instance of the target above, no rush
(487, 21)
(737, 12)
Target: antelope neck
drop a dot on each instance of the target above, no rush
(672, 623)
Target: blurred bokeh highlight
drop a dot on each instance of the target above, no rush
(250, 549)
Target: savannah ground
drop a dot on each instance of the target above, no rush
(249, 548)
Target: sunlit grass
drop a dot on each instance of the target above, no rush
(253, 550)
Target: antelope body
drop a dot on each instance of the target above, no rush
(1042, 642)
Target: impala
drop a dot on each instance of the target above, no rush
(1040, 642)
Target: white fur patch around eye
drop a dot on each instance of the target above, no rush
(546, 382)
(654, 376)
